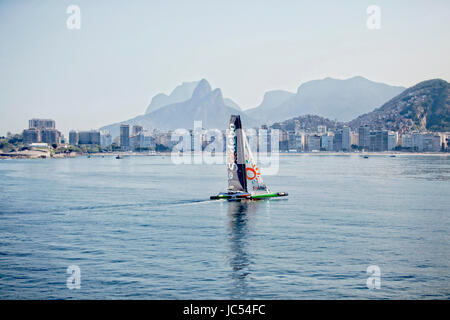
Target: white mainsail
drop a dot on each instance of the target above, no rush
(255, 183)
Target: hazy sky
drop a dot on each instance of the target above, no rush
(128, 51)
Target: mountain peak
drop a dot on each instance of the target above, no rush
(217, 97)
(273, 93)
(203, 88)
(181, 93)
(358, 78)
(422, 107)
(217, 93)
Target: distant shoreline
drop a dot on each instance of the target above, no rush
(37, 154)
(45, 154)
(387, 153)
(284, 154)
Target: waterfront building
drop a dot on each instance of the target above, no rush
(354, 139)
(314, 142)
(73, 137)
(137, 141)
(292, 142)
(337, 140)
(299, 141)
(105, 138)
(423, 142)
(284, 141)
(136, 130)
(407, 141)
(171, 144)
(162, 138)
(50, 136)
(392, 140)
(149, 140)
(41, 130)
(372, 141)
(346, 139)
(32, 135)
(326, 142)
(264, 140)
(89, 137)
(364, 137)
(41, 123)
(124, 137)
(431, 142)
(379, 140)
(417, 141)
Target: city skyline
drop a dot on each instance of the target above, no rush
(102, 71)
(339, 138)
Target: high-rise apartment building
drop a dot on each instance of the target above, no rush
(136, 130)
(32, 135)
(364, 137)
(124, 137)
(89, 137)
(73, 137)
(346, 139)
(378, 140)
(337, 140)
(41, 124)
(326, 142)
(105, 138)
(50, 136)
(392, 140)
(42, 130)
(313, 142)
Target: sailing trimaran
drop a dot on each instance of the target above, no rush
(244, 177)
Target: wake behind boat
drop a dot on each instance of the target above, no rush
(244, 178)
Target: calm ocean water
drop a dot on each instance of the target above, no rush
(142, 228)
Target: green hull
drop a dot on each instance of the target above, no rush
(270, 195)
(247, 196)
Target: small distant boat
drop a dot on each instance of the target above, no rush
(118, 157)
(392, 155)
(366, 157)
(244, 178)
(88, 156)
